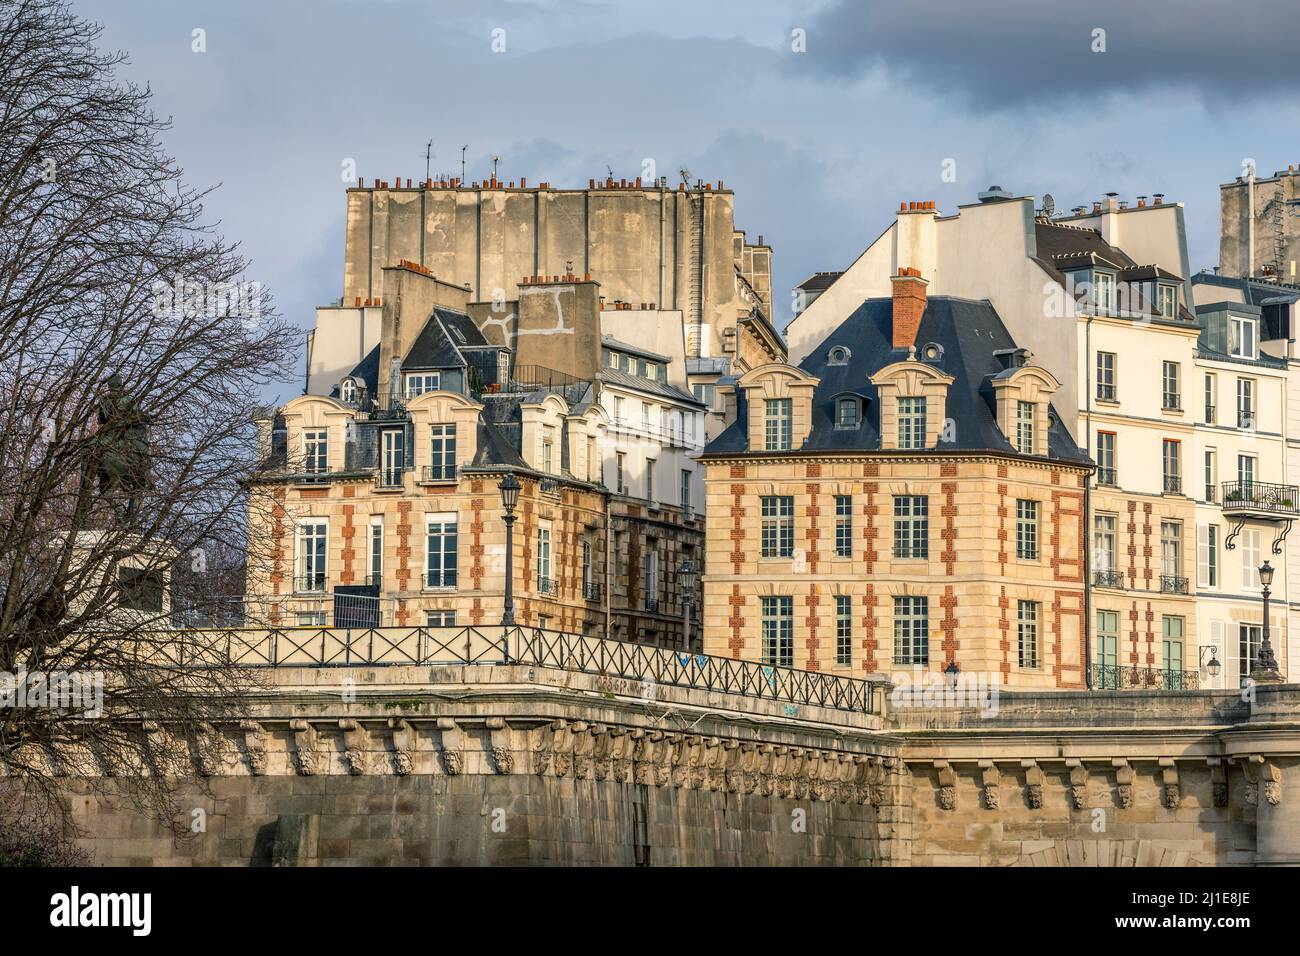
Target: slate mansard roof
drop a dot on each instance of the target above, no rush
(443, 340)
(969, 333)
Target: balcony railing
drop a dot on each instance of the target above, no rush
(457, 646)
(1245, 419)
(309, 583)
(1173, 484)
(652, 604)
(375, 580)
(547, 585)
(1260, 497)
(1173, 584)
(1106, 476)
(434, 473)
(1210, 413)
(1118, 677)
(390, 478)
(549, 486)
(591, 591)
(1108, 579)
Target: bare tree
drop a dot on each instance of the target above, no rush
(133, 354)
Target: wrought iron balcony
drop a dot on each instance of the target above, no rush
(440, 579)
(1173, 484)
(390, 478)
(1120, 677)
(430, 474)
(1173, 584)
(310, 583)
(547, 585)
(652, 604)
(1106, 476)
(591, 591)
(1108, 579)
(375, 580)
(1210, 412)
(1245, 419)
(1260, 498)
(549, 486)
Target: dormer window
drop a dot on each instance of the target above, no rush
(911, 423)
(933, 352)
(839, 355)
(315, 446)
(1025, 428)
(1242, 337)
(1103, 293)
(419, 383)
(348, 392)
(1167, 300)
(847, 412)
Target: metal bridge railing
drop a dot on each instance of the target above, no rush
(378, 646)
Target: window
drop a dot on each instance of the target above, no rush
(1211, 473)
(140, 589)
(685, 490)
(1167, 300)
(1250, 559)
(348, 391)
(440, 551)
(651, 370)
(1249, 637)
(911, 526)
(846, 413)
(911, 630)
(1207, 556)
(503, 368)
(650, 478)
(419, 383)
(392, 446)
(619, 410)
(1107, 650)
(706, 395)
(1171, 552)
(1106, 376)
(1103, 293)
(652, 580)
(1245, 403)
(442, 451)
(1211, 386)
(439, 618)
(594, 470)
(843, 629)
(1171, 645)
(777, 526)
(587, 590)
(778, 423)
(1172, 466)
(620, 472)
(1106, 459)
(843, 526)
(1025, 428)
(778, 631)
(1026, 529)
(548, 456)
(645, 416)
(544, 583)
(313, 536)
(376, 551)
(839, 355)
(1246, 475)
(1027, 633)
(1241, 337)
(1171, 399)
(315, 447)
(911, 423)
(1103, 543)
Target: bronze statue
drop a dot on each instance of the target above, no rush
(120, 454)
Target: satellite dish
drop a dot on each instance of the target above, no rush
(1049, 204)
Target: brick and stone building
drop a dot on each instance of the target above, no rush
(905, 497)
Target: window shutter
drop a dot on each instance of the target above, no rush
(408, 447)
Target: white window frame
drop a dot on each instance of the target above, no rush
(417, 383)
(448, 525)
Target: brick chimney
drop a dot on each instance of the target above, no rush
(909, 305)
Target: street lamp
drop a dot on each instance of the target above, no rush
(686, 587)
(951, 673)
(1265, 668)
(1213, 667)
(510, 488)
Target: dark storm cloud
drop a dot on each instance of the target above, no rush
(1008, 53)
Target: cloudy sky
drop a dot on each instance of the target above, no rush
(822, 115)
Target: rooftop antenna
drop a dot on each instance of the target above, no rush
(1049, 205)
(462, 162)
(428, 155)
(495, 160)
(610, 170)
(685, 174)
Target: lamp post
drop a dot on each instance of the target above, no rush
(686, 585)
(1265, 669)
(951, 674)
(510, 488)
(1213, 667)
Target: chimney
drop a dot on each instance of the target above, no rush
(909, 305)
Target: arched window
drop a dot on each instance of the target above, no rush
(348, 391)
(839, 355)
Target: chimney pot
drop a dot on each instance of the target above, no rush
(1159, 199)
(908, 306)
(361, 182)
(358, 305)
